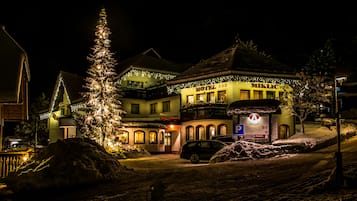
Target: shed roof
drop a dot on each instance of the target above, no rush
(250, 106)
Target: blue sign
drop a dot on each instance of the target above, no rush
(238, 129)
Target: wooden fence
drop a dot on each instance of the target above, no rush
(9, 161)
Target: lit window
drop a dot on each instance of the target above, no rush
(162, 135)
(222, 96)
(189, 133)
(190, 99)
(200, 98)
(222, 130)
(210, 97)
(139, 137)
(211, 131)
(244, 95)
(258, 94)
(153, 137)
(199, 133)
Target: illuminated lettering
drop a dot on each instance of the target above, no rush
(205, 88)
(264, 85)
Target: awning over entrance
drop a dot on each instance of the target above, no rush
(254, 106)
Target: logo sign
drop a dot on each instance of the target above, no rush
(239, 129)
(254, 118)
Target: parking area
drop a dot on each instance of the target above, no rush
(159, 162)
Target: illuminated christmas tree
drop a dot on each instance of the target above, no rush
(103, 109)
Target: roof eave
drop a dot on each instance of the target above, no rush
(229, 72)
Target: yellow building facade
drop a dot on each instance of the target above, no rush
(167, 105)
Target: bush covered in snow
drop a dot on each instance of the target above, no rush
(64, 164)
(243, 150)
(128, 151)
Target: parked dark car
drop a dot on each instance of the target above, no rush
(200, 149)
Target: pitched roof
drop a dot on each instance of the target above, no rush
(72, 83)
(150, 59)
(235, 60)
(13, 62)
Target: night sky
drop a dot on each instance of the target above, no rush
(58, 35)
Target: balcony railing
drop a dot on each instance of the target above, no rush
(204, 111)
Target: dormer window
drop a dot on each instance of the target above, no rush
(135, 84)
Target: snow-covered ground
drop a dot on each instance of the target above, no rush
(64, 159)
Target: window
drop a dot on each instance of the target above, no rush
(166, 106)
(222, 130)
(153, 108)
(211, 132)
(134, 108)
(281, 95)
(222, 96)
(135, 84)
(210, 97)
(200, 98)
(244, 95)
(123, 137)
(200, 133)
(190, 99)
(139, 137)
(153, 137)
(270, 94)
(258, 94)
(189, 133)
(162, 135)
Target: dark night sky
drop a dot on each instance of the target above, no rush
(58, 35)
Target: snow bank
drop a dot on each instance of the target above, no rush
(64, 164)
(243, 150)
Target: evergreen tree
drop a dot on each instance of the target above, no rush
(34, 130)
(322, 61)
(103, 108)
(313, 88)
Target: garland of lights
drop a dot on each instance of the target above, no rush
(59, 83)
(177, 87)
(145, 73)
(77, 107)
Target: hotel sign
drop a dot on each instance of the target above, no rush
(211, 87)
(205, 88)
(264, 85)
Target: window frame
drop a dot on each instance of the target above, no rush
(135, 137)
(155, 141)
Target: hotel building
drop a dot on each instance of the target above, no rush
(233, 93)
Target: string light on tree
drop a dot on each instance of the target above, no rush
(103, 109)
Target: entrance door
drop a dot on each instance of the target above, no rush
(167, 142)
(283, 131)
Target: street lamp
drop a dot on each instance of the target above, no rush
(339, 168)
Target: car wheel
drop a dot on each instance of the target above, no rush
(195, 158)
